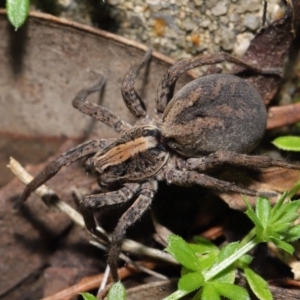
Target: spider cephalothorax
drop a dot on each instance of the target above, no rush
(137, 155)
(211, 121)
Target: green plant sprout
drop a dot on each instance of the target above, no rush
(17, 12)
(212, 271)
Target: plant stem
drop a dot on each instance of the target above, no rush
(215, 270)
(248, 237)
(177, 295)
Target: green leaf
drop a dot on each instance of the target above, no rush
(227, 251)
(258, 285)
(289, 216)
(191, 281)
(288, 143)
(278, 204)
(209, 292)
(227, 275)
(231, 291)
(293, 233)
(251, 214)
(283, 245)
(205, 251)
(17, 11)
(117, 292)
(88, 296)
(281, 227)
(206, 261)
(294, 205)
(203, 245)
(244, 261)
(263, 210)
(183, 253)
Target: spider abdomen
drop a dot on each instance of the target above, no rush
(136, 155)
(214, 112)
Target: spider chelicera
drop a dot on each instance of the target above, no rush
(213, 120)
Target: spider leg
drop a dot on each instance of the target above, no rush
(167, 85)
(96, 111)
(92, 202)
(138, 208)
(236, 159)
(66, 158)
(131, 98)
(188, 178)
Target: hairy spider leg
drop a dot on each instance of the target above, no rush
(188, 178)
(166, 87)
(89, 203)
(131, 98)
(145, 192)
(67, 158)
(98, 112)
(131, 215)
(236, 159)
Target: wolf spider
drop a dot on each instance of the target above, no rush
(213, 120)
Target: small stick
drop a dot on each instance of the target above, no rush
(104, 280)
(45, 192)
(264, 17)
(127, 260)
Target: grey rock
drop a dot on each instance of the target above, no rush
(252, 22)
(220, 9)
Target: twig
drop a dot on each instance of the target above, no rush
(105, 279)
(129, 261)
(45, 192)
(264, 17)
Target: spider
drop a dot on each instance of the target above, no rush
(213, 120)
